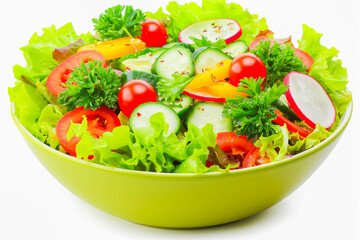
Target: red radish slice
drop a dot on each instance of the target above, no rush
(309, 100)
(213, 29)
(203, 96)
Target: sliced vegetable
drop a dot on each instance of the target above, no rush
(141, 115)
(134, 93)
(292, 127)
(153, 33)
(220, 158)
(183, 106)
(142, 62)
(219, 74)
(309, 100)
(216, 92)
(98, 122)
(236, 48)
(307, 60)
(213, 29)
(206, 58)
(246, 65)
(61, 73)
(175, 60)
(116, 48)
(285, 109)
(210, 112)
(232, 144)
(254, 158)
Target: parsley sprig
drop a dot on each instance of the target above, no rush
(279, 60)
(252, 115)
(119, 21)
(204, 42)
(91, 86)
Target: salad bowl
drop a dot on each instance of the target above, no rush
(183, 200)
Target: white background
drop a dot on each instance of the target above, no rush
(33, 205)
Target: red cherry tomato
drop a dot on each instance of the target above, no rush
(254, 158)
(61, 73)
(246, 65)
(98, 121)
(153, 33)
(133, 94)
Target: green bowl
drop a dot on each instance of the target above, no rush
(183, 200)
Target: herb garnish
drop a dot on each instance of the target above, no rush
(252, 115)
(204, 42)
(279, 60)
(91, 86)
(119, 21)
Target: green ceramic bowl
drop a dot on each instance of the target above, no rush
(183, 200)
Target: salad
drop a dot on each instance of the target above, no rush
(192, 89)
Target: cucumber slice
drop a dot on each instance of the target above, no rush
(210, 112)
(185, 104)
(140, 116)
(207, 57)
(236, 48)
(174, 60)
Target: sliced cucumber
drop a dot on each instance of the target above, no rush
(236, 48)
(179, 44)
(185, 104)
(140, 116)
(284, 108)
(207, 57)
(174, 60)
(210, 112)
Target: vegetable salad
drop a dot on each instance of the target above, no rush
(189, 89)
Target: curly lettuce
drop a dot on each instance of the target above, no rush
(180, 16)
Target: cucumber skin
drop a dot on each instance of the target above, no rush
(286, 110)
(182, 113)
(198, 53)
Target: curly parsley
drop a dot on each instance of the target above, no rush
(279, 60)
(252, 115)
(119, 21)
(91, 86)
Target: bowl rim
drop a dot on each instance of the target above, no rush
(343, 123)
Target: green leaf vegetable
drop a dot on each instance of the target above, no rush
(181, 16)
(279, 60)
(252, 115)
(170, 90)
(119, 21)
(148, 148)
(204, 42)
(91, 86)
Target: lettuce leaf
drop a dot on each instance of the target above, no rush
(180, 16)
(148, 149)
(38, 53)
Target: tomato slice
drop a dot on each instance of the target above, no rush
(307, 60)
(292, 127)
(61, 73)
(99, 121)
(254, 158)
(232, 144)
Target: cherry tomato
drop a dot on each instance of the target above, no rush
(246, 65)
(254, 158)
(98, 121)
(61, 73)
(153, 33)
(133, 94)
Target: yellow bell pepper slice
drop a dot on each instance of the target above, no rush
(217, 74)
(116, 48)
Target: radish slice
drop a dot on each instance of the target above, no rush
(213, 29)
(309, 100)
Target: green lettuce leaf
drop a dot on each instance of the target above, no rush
(148, 149)
(38, 53)
(180, 16)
